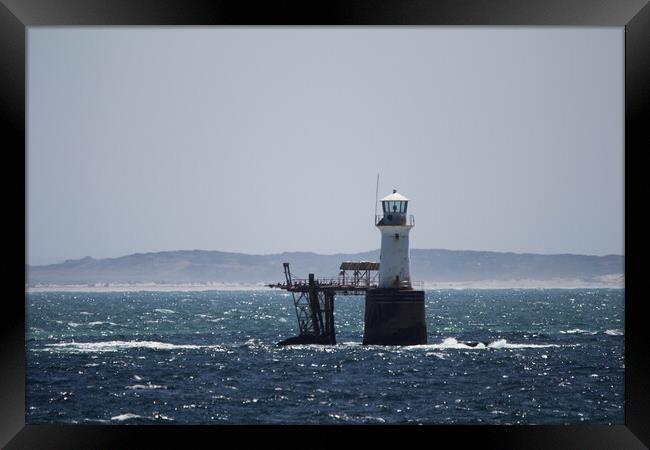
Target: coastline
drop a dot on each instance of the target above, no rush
(618, 283)
(148, 287)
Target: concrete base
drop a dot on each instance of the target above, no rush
(394, 317)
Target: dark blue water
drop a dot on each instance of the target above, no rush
(554, 357)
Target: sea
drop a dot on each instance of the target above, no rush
(544, 356)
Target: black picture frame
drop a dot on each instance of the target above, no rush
(17, 15)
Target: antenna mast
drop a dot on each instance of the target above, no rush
(376, 196)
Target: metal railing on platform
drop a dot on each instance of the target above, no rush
(349, 283)
(334, 282)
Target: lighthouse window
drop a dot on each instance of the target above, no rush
(389, 207)
(396, 207)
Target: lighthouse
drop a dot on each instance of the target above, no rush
(394, 310)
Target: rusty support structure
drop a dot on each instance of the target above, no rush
(313, 299)
(314, 306)
(287, 273)
(329, 316)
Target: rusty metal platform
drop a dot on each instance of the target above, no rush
(313, 297)
(330, 284)
(355, 278)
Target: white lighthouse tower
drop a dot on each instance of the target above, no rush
(394, 225)
(394, 310)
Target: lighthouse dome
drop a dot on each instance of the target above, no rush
(394, 197)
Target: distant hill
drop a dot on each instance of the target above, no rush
(200, 266)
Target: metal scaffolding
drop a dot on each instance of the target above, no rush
(313, 298)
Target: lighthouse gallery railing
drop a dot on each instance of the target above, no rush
(395, 219)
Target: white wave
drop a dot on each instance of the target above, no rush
(126, 416)
(165, 311)
(116, 346)
(378, 419)
(447, 343)
(452, 343)
(502, 343)
(162, 417)
(137, 377)
(615, 332)
(146, 386)
(92, 324)
(574, 331)
(345, 417)
(253, 342)
(96, 420)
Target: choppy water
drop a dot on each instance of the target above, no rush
(554, 356)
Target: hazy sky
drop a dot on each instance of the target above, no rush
(263, 140)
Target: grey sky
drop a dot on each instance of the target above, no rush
(263, 140)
